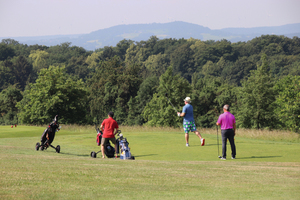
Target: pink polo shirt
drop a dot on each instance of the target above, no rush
(226, 120)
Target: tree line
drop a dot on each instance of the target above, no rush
(259, 79)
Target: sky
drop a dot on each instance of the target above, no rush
(20, 18)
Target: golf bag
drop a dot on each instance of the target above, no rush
(109, 151)
(124, 148)
(48, 136)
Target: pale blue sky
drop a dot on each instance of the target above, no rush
(60, 17)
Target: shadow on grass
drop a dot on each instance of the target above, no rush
(85, 155)
(259, 157)
(145, 155)
(199, 145)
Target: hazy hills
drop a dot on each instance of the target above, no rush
(137, 32)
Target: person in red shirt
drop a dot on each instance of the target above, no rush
(109, 128)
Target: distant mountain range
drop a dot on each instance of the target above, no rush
(137, 32)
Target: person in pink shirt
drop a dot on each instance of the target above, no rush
(228, 127)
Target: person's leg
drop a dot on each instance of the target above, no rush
(198, 134)
(231, 141)
(202, 140)
(194, 129)
(186, 132)
(224, 142)
(102, 150)
(103, 141)
(186, 138)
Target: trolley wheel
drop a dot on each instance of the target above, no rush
(93, 154)
(132, 157)
(42, 148)
(37, 146)
(57, 149)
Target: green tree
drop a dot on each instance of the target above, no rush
(182, 62)
(8, 100)
(39, 58)
(236, 71)
(256, 99)
(54, 93)
(93, 61)
(60, 55)
(6, 52)
(288, 102)
(157, 64)
(159, 112)
(78, 67)
(209, 95)
(21, 71)
(107, 53)
(6, 77)
(111, 87)
(122, 47)
(137, 104)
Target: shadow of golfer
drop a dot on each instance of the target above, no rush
(259, 157)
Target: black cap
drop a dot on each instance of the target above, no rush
(111, 114)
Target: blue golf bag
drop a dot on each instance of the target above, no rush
(124, 148)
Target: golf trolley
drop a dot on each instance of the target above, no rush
(109, 151)
(48, 137)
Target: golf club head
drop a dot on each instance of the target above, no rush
(219, 156)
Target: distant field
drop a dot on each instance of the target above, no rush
(164, 168)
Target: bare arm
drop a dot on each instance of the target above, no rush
(181, 114)
(116, 131)
(101, 128)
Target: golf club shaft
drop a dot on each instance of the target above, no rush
(218, 142)
(172, 104)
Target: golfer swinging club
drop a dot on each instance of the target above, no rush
(188, 121)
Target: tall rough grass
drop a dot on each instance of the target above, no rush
(274, 135)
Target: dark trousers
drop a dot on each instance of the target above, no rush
(228, 134)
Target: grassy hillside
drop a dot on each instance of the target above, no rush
(164, 168)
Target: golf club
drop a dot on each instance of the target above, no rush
(218, 143)
(170, 102)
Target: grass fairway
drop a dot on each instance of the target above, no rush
(164, 168)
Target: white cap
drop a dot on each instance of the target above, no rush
(187, 99)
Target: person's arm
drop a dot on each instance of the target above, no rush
(180, 114)
(101, 128)
(116, 131)
(234, 128)
(219, 121)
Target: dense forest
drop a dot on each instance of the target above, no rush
(259, 79)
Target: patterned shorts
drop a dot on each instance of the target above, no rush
(189, 126)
